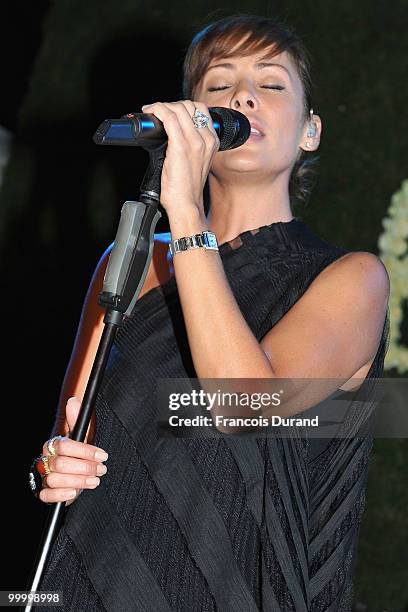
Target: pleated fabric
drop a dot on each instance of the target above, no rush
(222, 524)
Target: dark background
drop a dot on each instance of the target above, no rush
(68, 65)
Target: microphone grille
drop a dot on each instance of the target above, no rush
(236, 127)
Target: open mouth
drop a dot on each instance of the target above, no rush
(255, 134)
(256, 129)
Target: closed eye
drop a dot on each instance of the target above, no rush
(279, 87)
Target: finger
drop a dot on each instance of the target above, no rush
(81, 450)
(169, 114)
(50, 496)
(72, 409)
(68, 465)
(64, 432)
(55, 480)
(186, 110)
(210, 127)
(90, 436)
(71, 501)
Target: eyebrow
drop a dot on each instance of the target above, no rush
(258, 66)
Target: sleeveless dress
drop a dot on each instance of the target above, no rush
(224, 524)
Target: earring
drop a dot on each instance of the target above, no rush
(312, 131)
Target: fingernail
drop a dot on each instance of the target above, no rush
(101, 455)
(71, 494)
(101, 470)
(93, 481)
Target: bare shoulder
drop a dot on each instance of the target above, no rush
(91, 324)
(365, 261)
(333, 330)
(357, 283)
(161, 242)
(357, 272)
(159, 270)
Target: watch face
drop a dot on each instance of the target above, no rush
(211, 241)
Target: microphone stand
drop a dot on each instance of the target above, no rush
(125, 274)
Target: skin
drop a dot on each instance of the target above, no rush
(76, 465)
(266, 174)
(258, 172)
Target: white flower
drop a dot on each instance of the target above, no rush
(393, 245)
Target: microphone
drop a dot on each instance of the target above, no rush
(146, 130)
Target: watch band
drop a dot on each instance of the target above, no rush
(206, 239)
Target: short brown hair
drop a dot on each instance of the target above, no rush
(255, 33)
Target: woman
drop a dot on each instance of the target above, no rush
(224, 524)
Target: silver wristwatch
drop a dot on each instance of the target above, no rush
(206, 239)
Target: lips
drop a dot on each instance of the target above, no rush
(256, 128)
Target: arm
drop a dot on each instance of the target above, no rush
(329, 333)
(84, 350)
(90, 330)
(77, 465)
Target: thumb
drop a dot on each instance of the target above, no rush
(72, 409)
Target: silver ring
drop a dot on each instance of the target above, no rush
(200, 119)
(50, 444)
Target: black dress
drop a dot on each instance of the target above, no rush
(223, 524)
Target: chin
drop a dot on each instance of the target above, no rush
(243, 161)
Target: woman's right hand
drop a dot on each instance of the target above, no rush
(75, 466)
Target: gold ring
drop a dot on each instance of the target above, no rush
(46, 470)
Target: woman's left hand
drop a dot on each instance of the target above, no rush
(189, 154)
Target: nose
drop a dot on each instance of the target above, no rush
(249, 102)
(243, 98)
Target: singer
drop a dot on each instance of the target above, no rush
(224, 524)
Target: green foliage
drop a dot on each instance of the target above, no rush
(381, 567)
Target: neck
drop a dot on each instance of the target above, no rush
(239, 206)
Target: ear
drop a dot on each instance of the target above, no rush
(311, 134)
